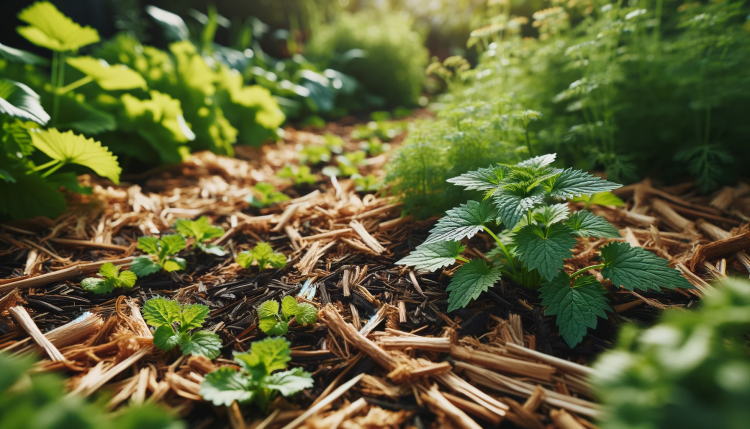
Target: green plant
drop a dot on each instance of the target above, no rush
(202, 231)
(314, 154)
(111, 278)
(272, 323)
(367, 183)
(299, 174)
(164, 314)
(542, 237)
(264, 255)
(689, 371)
(374, 146)
(256, 382)
(265, 195)
(350, 162)
(380, 50)
(30, 399)
(164, 249)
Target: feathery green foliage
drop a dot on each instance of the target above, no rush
(542, 236)
(164, 314)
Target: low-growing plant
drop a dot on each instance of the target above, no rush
(314, 154)
(273, 323)
(384, 130)
(299, 174)
(164, 249)
(374, 146)
(257, 381)
(202, 231)
(367, 183)
(264, 255)
(350, 162)
(334, 143)
(265, 195)
(540, 237)
(111, 278)
(174, 323)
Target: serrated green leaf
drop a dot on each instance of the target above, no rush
(165, 338)
(160, 311)
(483, 179)
(21, 56)
(272, 353)
(172, 244)
(289, 307)
(224, 386)
(127, 279)
(200, 229)
(637, 268)
(306, 314)
(193, 316)
(149, 245)
(76, 149)
(433, 256)
(587, 224)
(574, 183)
(245, 259)
(143, 266)
(545, 250)
(19, 101)
(109, 271)
(174, 264)
(268, 308)
(109, 77)
(201, 343)
(212, 249)
(512, 205)
(51, 29)
(96, 285)
(576, 307)
(289, 382)
(601, 199)
(277, 260)
(552, 214)
(462, 222)
(538, 161)
(469, 281)
(267, 196)
(273, 326)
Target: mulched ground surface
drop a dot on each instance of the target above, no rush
(384, 353)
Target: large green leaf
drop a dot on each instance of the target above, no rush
(110, 77)
(19, 101)
(470, 280)
(483, 179)
(20, 56)
(76, 149)
(576, 307)
(587, 224)
(306, 314)
(160, 311)
(462, 222)
(513, 204)
(545, 250)
(224, 386)
(433, 256)
(637, 268)
(174, 27)
(51, 29)
(30, 196)
(201, 343)
(575, 183)
(193, 316)
(289, 382)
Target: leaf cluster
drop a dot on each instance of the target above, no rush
(174, 323)
(263, 255)
(202, 231)
(111, 278)
(265, 195)
(164, 250)
(299, 174)
(257, 381)
(273, 323)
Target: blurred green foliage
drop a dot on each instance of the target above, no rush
(379, 49)
(689, 371)
(38, 401)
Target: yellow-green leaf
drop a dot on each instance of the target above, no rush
(109, 77)
(76, 149)
(51, 29)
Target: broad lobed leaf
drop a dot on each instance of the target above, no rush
(575, 183)
(289, 307)
(160, 311)
(433, 256)
(469, 281)
(587, 224)
(51, 29)
(462, 222)
(289, 382)
(71, 148)
(224, 386)
(545, 249)
(143, 266)
(201, 343)
(109, 77)
(306, 314)
(637, 268)
(483, 179)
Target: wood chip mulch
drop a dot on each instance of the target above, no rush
(384, 353)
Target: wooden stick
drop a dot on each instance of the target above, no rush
(88, 244)
(718, 248)
(27, 323)
(61, 275)
(325, 402)
(90, 385)
(503, 364)
(563, 420)
(331, 317)
(437, 400)
(556, 362)
(334, 420)
(473, 409)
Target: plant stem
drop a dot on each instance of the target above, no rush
(583, 270)
(462, 259)
(60, 80)
(74, 85)
(503, 248)
(48, 164)
(528, 142)
(53, 169)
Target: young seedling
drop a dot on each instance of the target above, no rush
(299, 174)
(374, 146)
(539, 238)
(334, 143)
(350, 162)
(256, 382)
(273, 323)
(164, 249)
(111, 278)
(265, 195)
(264, 255)
(202, 231)
(367, 183)
(314, 154)
(164, 314)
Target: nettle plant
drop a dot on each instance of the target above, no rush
(164, 249)
(111, 278)
(273, 323)
(202, 231)
(264, 255)
(174, 323)
(256, 382)
(539, 233)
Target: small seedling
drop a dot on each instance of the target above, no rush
(314, 154)
(334, 143)
(256, 381)
(375, 146)
(542, 237)
(265, 195)
(350, 162)
(202, 231)
(111, 278)
(264, 255)
(164, 249)
(273, 323)
(164, 314)
(299, 174)
(367, 183)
